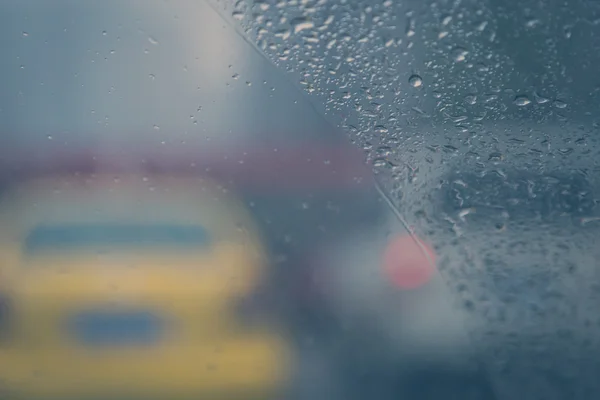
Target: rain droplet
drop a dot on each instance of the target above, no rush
(152, 40)
(540, 99)
(491, 97)
(283, 34)
(471, 99)
(459, 54)
(565, 151)
(410, 28)
(450, 149)
(481, 27)
(560, 104)
(380, 163)
(263, 5)
(238, 15)
(301, 24)
(496, 156)
(25, 34)
(415, 81)
(522, 100)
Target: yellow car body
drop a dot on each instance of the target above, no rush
(119, 287)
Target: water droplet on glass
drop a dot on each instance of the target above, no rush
(283, 34)
(301, 24)
(522, 100)
(450, 149)
(489, 97)
(263, 5)
(380, 163)
(565, 151)
(415, 81)
(560, 104)
(459, 54)
(481, 27)
(496, 156)
(152, 40)
(410, 28)
(540, 99)
(238, 15)
(471, 99)
(25, 34)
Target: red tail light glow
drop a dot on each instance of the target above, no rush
(408, 262)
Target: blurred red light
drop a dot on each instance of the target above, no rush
(408, 262)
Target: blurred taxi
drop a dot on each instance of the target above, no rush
(128, 286)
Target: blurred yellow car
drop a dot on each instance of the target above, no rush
(118, 287)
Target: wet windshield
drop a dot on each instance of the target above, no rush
(422, 175)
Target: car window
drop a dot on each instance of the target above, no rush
(476, 129)
(82, 236)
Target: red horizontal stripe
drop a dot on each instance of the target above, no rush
(290, 167)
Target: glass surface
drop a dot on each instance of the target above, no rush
(417, 181)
